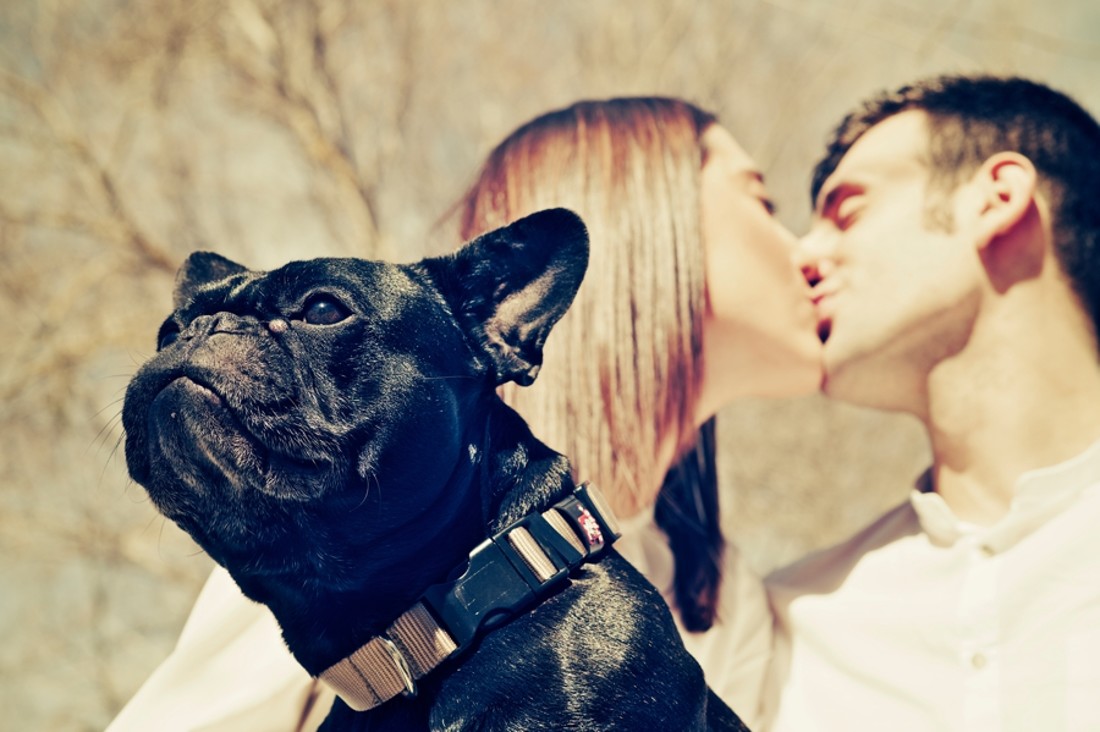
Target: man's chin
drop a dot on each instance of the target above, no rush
(839, 379)
(863, 384)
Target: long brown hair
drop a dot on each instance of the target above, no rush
(622, 369)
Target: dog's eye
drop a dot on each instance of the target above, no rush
(324, 310)
(169, 334)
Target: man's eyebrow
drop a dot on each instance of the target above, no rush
(835, 195)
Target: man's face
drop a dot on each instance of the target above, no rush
(894, 294)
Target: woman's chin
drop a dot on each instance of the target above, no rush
(793, 369)
(801, 371)
(808, 382)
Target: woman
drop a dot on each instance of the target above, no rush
(690, 301)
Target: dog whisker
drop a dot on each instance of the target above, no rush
(103, 433)
(367, 480)
(455, 377)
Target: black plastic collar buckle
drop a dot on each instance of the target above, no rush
(498, 583)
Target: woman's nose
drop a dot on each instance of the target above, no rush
(812, 257)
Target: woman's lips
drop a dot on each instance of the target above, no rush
(823, 301)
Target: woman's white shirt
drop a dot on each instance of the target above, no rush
(735, 651)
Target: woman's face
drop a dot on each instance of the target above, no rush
(759, 332)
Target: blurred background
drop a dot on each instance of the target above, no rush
(135, 131)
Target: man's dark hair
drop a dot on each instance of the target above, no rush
(971, 118)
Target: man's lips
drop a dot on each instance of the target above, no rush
(821, 293)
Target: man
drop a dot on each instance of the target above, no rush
(955, 262)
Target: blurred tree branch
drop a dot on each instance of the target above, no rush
(98, 181)
(279, 54)
(83, 102)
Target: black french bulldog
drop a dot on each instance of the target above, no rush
(330, 433)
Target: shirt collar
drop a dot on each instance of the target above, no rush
(1038, 495)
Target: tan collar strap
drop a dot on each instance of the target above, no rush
(506, 574)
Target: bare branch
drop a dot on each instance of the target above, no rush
(99, 180)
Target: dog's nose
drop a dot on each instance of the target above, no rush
(205, 325)
(202, 325)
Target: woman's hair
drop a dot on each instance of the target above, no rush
(622, 369)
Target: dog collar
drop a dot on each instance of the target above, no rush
(505, 575)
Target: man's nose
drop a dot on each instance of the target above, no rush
(812, 256)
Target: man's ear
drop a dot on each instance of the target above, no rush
(1010, 225)
(509, 287)
(201, 268)
(1008, 183)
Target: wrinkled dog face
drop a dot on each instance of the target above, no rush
(290, 414)
(271, 403)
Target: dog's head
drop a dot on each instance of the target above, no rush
(301, 422)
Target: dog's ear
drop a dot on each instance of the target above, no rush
(201, 268)
(509, 287)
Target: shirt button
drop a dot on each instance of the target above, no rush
(978, 661)
(987, 550)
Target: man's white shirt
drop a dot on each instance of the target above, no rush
(923, 622)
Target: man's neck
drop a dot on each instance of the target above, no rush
(1004, 406)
